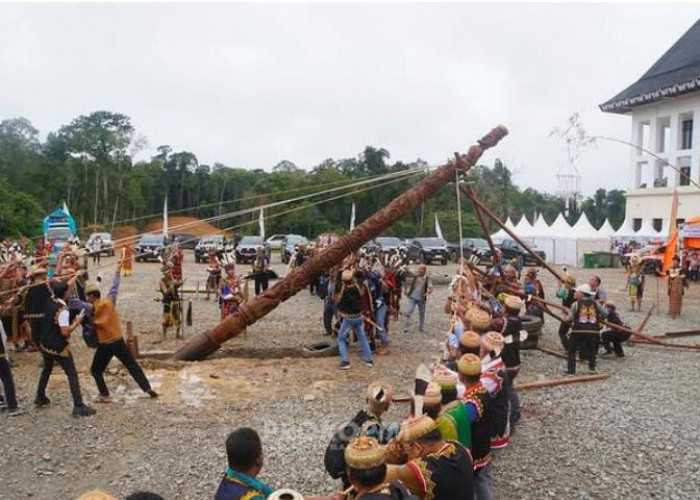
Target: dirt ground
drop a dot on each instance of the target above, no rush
(625, 437)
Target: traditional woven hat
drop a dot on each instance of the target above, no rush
(166, 268)
(379, 391)
(513, 302)
(96, 495)
(532, 272)
(347, 275)
(469, 365)
(415, 428)
(470, 340)
(570, 279)
(444, 377)
(492, 341)
(478, 318)
(433, 394)
(364, 453)
(91, 287)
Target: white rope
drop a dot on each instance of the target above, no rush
(459, 216)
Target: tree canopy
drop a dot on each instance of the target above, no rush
(89, 164)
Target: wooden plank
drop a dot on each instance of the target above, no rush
(526, 386)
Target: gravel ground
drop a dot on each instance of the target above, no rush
(633, 435)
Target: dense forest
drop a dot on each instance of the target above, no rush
(88, 165)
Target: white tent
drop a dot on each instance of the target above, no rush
(501, 234)
(589, 239)
(564, 251)
(606, 229)
(541, 236)
(647, 231)
(523, 228)
(625, 231)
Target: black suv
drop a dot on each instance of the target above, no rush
(512, 250)
(471, 246)
(150, 247)
(248, 246)
(427, 250)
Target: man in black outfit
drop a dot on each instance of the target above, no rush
(55, 348)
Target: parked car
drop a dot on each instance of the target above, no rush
(427, 250)
(471, 246)
(150, 247)
(275, 241)
(107, 243)
(248, 246)
(209, 243)
(187, 241)
(387, 244)
(512, 250)
(288, 244)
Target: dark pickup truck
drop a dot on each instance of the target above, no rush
(512, 250)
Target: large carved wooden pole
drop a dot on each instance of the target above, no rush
(208, 342)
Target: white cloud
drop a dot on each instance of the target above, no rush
(250, 85)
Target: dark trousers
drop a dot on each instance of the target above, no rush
(616, 339)
(118, 349)
(35, 329)
(96, 257)
(68, 366)
(587, 344)
(261, 284)
(8, 382)
(563, 331)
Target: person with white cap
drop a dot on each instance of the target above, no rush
(585, 318)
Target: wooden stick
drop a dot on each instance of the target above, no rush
(561, 381)
(685, 333)
(553, 353)
(510, 232)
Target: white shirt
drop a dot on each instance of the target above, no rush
(64, 315)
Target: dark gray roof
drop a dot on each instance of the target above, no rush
(677, 72)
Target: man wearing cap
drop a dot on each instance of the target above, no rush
(454, 421)
(613, 339)
(366, 422)
(477, 402)
(437, 469)
(566, 294)
(110, 339)
(36, 300)
(585, 317)
(349, 301)
(511, 350)
(495, 378)
(417, 289)
(367, 470)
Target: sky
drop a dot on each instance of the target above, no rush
(250, 85)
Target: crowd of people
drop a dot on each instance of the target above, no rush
(463, 410)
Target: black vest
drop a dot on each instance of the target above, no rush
(586, 318)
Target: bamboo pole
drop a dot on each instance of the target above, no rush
(208, 342)
(552, 352)
(526, 386)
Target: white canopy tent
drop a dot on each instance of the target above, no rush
(625, 231)
(606, 229)
(564, 245)
(501, 234)
(589, 239)
(647, 232)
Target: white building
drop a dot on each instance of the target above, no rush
(665, 109)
